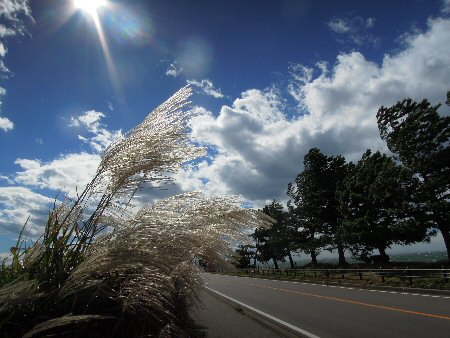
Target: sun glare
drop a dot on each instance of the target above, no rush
(89, 6)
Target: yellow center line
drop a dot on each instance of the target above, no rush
(343, 300)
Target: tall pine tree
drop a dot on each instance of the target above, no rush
(420, 138)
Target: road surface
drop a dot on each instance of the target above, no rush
(329, 311)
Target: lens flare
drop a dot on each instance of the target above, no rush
(127, 26)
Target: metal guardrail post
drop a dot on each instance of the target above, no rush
(381, 275)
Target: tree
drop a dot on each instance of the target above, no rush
(336, 172)
(374, 203)
(307, 195)
(243, 257)
(316, 207)
(275, 243)
(420, 137)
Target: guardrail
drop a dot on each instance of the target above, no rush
(382, 275)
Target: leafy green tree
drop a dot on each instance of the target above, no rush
(243, 257)
(337, 171)
(308, 200)
(420, 137)
(315, 205)
(374, 203)
(277, 242)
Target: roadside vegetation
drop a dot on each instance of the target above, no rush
(366, 207)
(437, 279)
(107, 266)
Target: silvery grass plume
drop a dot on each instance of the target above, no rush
(119, 274)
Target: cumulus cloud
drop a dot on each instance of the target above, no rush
(446, 6)
(12, 15)
(69, 173)
(101, 137)
(13, 10)
(207, 88)
(19, 203)
(174, 69)
(354, 30)
(256, 149)
(6, 179)
(6, 124)
(339, 26)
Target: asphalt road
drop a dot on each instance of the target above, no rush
(329, 311)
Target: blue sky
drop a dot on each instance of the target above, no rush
(272, 79)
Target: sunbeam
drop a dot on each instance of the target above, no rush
(92, 7)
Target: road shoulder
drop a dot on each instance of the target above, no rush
(219, 317)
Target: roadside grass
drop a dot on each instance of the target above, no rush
(355, 278)
(105, 267)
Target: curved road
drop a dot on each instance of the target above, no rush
(330, 311)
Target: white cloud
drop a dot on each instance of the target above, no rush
(17, 203)
(174, 70)
(353, 30)
(12, 14)
(445, 6)
(6, 124)
(339, 26)
(91, 121)
(258, 150)
(370, 22)
(207, 87)
(69, 173)
(5, 31)
(3, 49)
(7, 179)
(14, 11)
(110, 106)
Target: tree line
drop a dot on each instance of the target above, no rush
(372, 204)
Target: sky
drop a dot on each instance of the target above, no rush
(271, 78)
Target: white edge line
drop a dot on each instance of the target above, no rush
(277, 320)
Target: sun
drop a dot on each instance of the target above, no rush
(89, 6)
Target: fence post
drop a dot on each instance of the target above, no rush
(446, 276)
(360, 274)
(382, 275)
(328, 274)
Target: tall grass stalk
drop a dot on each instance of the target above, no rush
(100, 270)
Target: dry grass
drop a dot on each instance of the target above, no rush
(123, 274)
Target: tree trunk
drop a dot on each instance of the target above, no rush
(313, 258)
(275, 263)
(291, 260)
(341, 253)
(445, 231)
(382, 251)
